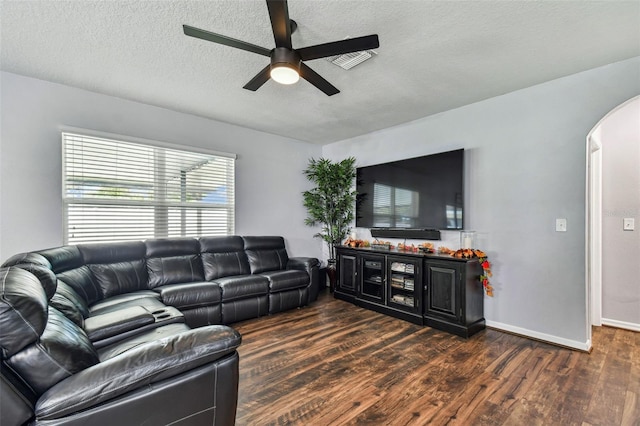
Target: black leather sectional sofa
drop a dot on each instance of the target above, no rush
(137, 333)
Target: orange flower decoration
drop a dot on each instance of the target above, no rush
(484, 278)
(482, 258)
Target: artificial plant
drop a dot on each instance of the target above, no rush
(331, 203)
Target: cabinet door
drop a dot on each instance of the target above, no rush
(372, 278)
(403, 283)
(347, 265)
(442, 292)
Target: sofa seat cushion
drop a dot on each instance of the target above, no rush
(286, 280)
(243, 286)
(190, 295)
(146, 298)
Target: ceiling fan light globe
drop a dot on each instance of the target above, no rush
(284, 75)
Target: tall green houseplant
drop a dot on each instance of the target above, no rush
(331, 203)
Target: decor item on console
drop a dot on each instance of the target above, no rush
(331, 203)
(107, 333)
(351, 242)
(425, 247)
(467, 239)
(482, 258)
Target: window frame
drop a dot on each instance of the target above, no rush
(152, 144)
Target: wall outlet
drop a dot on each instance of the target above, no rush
(628, 224)
(561, 225)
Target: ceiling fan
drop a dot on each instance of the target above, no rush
(287, 64)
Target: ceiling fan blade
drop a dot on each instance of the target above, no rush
(227, 41)
(260, 79)
(279, 14)
(314, 78)
(339, 47)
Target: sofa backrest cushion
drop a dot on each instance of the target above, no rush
(23, 310)
(112, 252)
(45, 275)
(62, 350)
(63, 258)
(121, 277)
(223, 257)
(266, 253)
(175, 260)
(67, 301)
(116, 267)
(70, 294)
(31, 257)
(69, 266)
(82, 281)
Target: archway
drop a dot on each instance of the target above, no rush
(626, 114)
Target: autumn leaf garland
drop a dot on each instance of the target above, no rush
(486, 273)
(482, 259)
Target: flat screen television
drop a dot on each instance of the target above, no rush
(416, 193)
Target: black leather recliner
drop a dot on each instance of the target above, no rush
(53, 375)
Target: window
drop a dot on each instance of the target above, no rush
(115, 191)
(394, 207)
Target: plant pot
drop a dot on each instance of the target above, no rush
(332, 274)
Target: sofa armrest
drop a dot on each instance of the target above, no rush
(311, 265)
(139, 367)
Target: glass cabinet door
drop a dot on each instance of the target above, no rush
(404, 278)
(373, 278)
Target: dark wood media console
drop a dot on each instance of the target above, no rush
(442, 292)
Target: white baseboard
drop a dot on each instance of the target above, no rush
(621, 324)
(548, 338)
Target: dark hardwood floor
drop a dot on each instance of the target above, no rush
(333, 363)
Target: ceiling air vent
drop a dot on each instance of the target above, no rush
(350, 60)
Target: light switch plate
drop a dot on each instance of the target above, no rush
(628, 224)
(561, 225)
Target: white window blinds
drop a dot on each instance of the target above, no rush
(117, 190)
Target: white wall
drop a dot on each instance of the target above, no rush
(525, 167)
(620, 136)
(269, 179)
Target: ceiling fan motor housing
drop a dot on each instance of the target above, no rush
(281, 56)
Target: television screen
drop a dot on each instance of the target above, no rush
(419, 193)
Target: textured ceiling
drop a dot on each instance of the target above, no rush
(433, 55)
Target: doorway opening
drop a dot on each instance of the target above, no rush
(596, 139)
